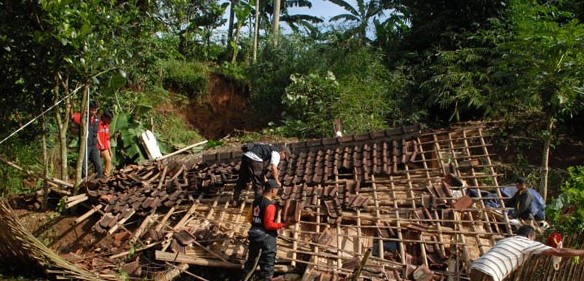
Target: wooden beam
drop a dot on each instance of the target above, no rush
(182, 258)
(88, 214)
(180, 150)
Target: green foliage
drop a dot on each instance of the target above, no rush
(567, 210)
(172, 131)
(370, 94)
(232, 71)
(271, 74)
(310, 105)
(192, 23)
(360, 15)
(125, 141)
(190, 78)
(540, 67)
(26, 154)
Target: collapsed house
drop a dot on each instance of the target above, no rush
(388, 205)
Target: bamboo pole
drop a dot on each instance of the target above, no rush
(180, 150)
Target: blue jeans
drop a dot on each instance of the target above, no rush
(95, 159)
(267, 257)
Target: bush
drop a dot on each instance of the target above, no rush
(310, 105)
(24, 154)
(567, 210)
(189, 78)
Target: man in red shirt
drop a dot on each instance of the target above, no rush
(91, 148)
(103, 141)
(263, 233)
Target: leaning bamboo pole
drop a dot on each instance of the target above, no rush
(21, 245)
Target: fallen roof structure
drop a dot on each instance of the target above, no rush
(399, 192)
(389, 205)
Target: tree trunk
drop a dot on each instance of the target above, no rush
(235, 49)
(45, 163)
(276, 22)
(83, 140)
(62, 124)
(231, 19)
(256, 30)
(545, 159)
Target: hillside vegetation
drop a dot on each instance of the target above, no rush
(170, 66)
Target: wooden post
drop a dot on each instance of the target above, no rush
(358, 270)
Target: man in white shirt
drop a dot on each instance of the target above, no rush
(510, 253)
(257, 160)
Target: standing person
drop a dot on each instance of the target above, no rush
(257, 160)
(521, 201)
(91, 146)
(510, 253)
(103, 142)
(263, 233)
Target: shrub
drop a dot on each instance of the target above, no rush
(189, 78)
(567, 210)
(310, 105)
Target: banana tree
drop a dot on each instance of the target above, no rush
(359, 15)
(243, 12)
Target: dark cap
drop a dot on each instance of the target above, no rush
(107, 113)
(520, 180)
(271, 184)
(93, 104)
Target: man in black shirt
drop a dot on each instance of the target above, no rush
(257, 160)
(263, 233)
(521, 201)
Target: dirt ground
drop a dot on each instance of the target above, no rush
(60, 232)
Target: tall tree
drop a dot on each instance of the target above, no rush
(193, 22)
(542, 66)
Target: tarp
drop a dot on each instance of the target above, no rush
(537, 205)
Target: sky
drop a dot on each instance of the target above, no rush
(321, 8)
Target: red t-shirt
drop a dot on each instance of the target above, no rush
(269, 217)
(103, 135)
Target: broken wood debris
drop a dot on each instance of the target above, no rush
(402, 194)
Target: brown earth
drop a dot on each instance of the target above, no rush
(221, 112)
(60, 232)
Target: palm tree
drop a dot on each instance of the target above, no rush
(361, 15)
(266, 9)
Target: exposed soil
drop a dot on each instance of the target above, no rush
(222, 111)
(60, 232)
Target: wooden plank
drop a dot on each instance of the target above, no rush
(358, 270)
(88, 214)
(121, 222)
(73, 203)
(377, 213)
(143, 226)
(181, 150)
(162, 178)
(75, 197)
(187, 259)
(481, 202)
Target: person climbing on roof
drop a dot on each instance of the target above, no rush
(257, 160)
(510, 253)
(524, 203)
(263, 233)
